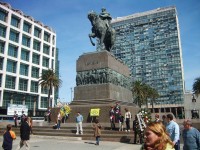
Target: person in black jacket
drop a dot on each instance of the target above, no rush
(24, 135)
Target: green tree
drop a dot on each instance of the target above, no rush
(48, 80)
(196, 86)
(143, 92)
(138, 93)
(153, 94)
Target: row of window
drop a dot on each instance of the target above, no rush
(26, 41)
(27, 26)
(23, 84)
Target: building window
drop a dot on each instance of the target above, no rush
(25, 55)
(0, 80)
(43, 103)
(45, 62)
(46, 36)
(23, 84)
(3, 15)
(10, 82)
(36, 59)
(23, 69)
(37, 32)
(12, 50)
(52, 64)
(36, 45)
(44, 90)
(26, 41)
(53, 50)
(53, 40)
(35, 72)
(46, 49)
(2, 31)
(2, 46)
(15, 21)
(14, 36)
(1, 63)
(11, 66)
(34, 86)
(27, 27)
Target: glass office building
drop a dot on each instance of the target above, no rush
(27, 48)
(149, 43)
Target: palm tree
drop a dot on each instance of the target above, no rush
(153, 95)
(48, 80)
(137, 90)
(196, 86)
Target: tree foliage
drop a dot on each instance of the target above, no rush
(196, 86)
(48, 80)
(143, 92)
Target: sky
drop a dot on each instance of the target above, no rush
(68, 18)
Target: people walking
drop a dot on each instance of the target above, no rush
(8, 138)
(79, 121)
(24, 135)
(97, 131)
(174, 131)
(191, 136)
(23, 116)
(157, 118)
(127, 119)
(15, 118)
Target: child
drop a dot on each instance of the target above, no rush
(97, 131)
(8, 138)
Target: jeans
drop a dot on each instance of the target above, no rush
(97, 140)
(177, 145)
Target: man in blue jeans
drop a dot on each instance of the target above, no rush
(79, 120)
(174, 131)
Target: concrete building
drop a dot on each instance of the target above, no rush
(27, 48)
(149, 43)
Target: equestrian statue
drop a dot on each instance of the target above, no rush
(102, 29)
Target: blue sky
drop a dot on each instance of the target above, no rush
(69, 19)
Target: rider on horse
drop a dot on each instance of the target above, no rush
(104, 15)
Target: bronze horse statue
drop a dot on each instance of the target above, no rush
(105, 34)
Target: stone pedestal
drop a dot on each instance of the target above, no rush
(101, 80)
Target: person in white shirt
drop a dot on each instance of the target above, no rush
(127, 119)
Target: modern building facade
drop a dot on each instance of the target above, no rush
(27, 48)
(149, 43)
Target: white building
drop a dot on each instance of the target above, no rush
(27, 48)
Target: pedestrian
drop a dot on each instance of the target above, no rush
(15, 118)
(191, 136)
(97, 131)
(117, 110)
(24, 135)
(59, 118)
(79, 121)
(23, 116)
(136, 130)
(121, 122)
(156, 137)
(30, 122)
(49, 115)
(164, 120)
(174, 131)
(157, 118)
(112, 118)
(127, 119)
(8, 138)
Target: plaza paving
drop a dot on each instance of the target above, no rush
(63, 143)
